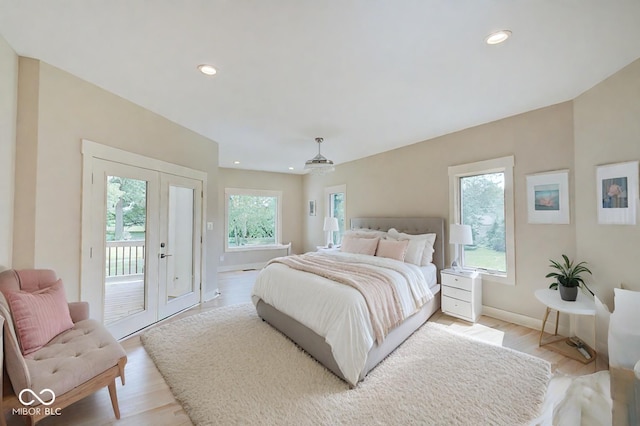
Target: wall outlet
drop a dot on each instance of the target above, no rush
(222, 258)
(209, 226)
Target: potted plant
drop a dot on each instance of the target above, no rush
(568, 278)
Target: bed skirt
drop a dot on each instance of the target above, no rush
(316, 346)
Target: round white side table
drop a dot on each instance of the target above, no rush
(582, 306)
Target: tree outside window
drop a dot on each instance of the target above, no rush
(252, 218)
(481, 196)
(482, 208)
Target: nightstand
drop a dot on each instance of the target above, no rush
(461, 294)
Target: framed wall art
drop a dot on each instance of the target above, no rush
(312, 207)
(617, 189)
(548, 197)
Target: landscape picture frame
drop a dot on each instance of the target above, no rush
(548, 197)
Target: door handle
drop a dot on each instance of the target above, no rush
(162, 255)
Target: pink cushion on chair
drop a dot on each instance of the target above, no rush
(39, 316)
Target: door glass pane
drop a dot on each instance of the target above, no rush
(124, 286)
(482, 199)
(180, 242)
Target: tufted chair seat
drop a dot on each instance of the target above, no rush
(73, 364)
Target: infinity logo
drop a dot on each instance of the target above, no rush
(35, 397)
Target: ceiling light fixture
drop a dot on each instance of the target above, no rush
(236, 162)
(319, 164)
(207, 69)
(498, 37)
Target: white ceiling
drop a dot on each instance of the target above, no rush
(367, 75)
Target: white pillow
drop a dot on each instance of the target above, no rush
(626, 302)
(624, 334)
(420, 251)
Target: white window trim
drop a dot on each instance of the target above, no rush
(259, 193)
(504, 165)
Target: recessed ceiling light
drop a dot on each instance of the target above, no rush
(498, 37)
(236, 162)
(207, 69)
(290, 168)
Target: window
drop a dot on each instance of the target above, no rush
(253, 219)
(482, 197)
(336, 197)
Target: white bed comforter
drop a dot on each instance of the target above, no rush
(336, 311)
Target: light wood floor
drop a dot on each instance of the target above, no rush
(146, 398)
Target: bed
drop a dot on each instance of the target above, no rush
(353, 353)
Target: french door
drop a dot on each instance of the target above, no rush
(144, 245)
(180, 235)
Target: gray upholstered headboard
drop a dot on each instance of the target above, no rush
(409, 225)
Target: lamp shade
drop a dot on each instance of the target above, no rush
(460, 234)
(331, 224)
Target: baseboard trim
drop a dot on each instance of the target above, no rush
(243, 267)
(525, 321)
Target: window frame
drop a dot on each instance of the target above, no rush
(256, 193)
(328, 192)
(498, 165)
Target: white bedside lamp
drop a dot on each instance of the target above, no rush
(459, 234)
(330, 225)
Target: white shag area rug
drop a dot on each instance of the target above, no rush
(227, 366)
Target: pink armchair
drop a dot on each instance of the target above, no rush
(72, 365)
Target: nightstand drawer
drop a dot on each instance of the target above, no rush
(456, 293)
(450, 280)
(456, 307)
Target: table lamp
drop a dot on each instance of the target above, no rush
(459, 234)
(330, 225)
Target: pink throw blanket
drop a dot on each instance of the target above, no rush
(377, 288)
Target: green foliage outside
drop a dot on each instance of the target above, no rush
(126, 220)
(252, 220)
(126, 208)
(482, 202)
(489, 259)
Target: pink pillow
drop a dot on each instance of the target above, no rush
(39, 316)
(392, 249)
(359, 245)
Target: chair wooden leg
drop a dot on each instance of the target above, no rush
(121, 364)
(114, 399)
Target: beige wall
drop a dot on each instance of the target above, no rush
(607, 130)
(57, 111)
(292, 211)
(8, 114)
(413, 181)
